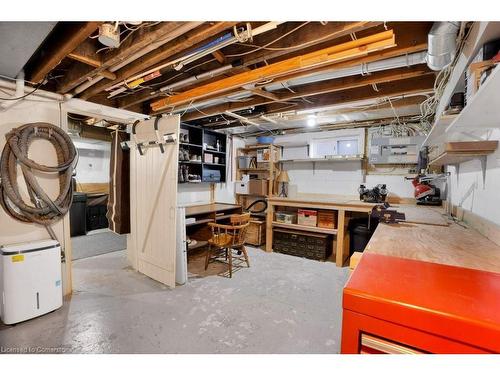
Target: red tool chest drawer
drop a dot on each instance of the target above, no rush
(425, 307)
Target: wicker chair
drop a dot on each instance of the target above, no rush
(226, 239)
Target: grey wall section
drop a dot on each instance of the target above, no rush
(19, 40)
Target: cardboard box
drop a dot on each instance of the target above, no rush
(258, 187)
(307, 217)
(327, 219)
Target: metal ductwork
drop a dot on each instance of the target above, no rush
(442, 44)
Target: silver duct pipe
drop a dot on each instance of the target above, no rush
(442, 44)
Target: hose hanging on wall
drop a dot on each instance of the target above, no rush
(42, 210)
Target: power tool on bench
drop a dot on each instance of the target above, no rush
(426, 193)
(375, 195)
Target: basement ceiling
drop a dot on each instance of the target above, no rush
(214, 75)
(19, 41)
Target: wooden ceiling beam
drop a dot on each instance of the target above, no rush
(319, 88)
(90, 61)
(141, 39)
(407, 87)
(161, 54)
(337, 53)
(265, 94)
(219, 56)
(308, 36)
(51, 56)
(415, 40)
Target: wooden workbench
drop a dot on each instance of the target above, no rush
(453, 245)
(344, 205)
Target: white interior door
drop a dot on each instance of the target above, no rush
(153, 207)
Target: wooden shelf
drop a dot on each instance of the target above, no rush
(216, 152)
(190, 144)
(448, 158)
(304, 228)
(313, 160)
(201, 221)
(189, 162)
(215, 164)
(256, 147)
(255, 169)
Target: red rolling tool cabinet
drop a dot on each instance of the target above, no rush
(396, 305)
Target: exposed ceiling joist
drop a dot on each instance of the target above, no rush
(79, 31)
(141, 41)
(407, 87)
(309, 36)
(324, 87)
(159, 55)
(337, 53)
(312, 35)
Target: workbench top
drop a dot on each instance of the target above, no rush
(326, 199)
(453, 245)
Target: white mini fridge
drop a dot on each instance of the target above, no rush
(30, 280)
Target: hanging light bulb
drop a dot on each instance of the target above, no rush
(311, 121)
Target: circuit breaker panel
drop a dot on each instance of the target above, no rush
(395, 150)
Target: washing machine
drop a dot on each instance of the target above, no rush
(30, 280)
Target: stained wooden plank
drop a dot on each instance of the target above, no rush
(77, 33)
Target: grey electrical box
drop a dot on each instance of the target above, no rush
(395, 150)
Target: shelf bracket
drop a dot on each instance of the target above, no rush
(483, 159)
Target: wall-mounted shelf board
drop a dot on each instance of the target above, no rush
(215, 152)
(449, 158)
(189, 144)
(483, 110)
(481, 32)
(310, 160)
(304, 227)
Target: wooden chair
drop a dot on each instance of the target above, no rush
(226, 239)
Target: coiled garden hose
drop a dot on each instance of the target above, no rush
(42, 209)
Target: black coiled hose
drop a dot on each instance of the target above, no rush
(42, 209)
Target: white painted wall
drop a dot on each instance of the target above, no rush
(93, 161)
(333, 177)
(467, 189)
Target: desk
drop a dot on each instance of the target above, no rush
(207, 213)
(344, 205)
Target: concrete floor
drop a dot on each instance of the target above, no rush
(282, 304)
